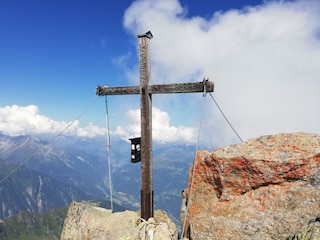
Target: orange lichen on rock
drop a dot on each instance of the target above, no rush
(271, 178)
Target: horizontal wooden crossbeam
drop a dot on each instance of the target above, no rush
(158, 89)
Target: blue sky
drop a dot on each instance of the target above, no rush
(262, 55)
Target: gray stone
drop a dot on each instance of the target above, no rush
(85, 221)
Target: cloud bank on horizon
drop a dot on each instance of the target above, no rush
(263, 59)
(27, 120)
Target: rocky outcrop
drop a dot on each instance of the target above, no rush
(85, 221)
(265, 188)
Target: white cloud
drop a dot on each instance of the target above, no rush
(162, 130)
(23, 120)
(264, 61)
(90, 131)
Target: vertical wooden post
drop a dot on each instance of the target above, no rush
(146, 128)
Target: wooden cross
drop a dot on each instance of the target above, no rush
(145, 90)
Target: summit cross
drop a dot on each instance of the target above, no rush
(146, 90)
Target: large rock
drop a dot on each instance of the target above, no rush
(265, 188)
(85, 221)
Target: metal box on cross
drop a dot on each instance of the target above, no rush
(135, 149)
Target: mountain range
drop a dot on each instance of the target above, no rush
(29, 190)
(77, 169)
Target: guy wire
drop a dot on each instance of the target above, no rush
(46, 145)
(194, 167)
(108, 148)
(225, 117)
